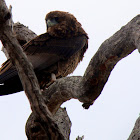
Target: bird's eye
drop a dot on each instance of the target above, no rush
(56, 19)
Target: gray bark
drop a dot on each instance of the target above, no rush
(34, 129)
(135, 134)
(87, 88)
(22, 33)
(80, 138)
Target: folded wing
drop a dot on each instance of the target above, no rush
(43, 52)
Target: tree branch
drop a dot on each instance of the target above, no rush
(27, 76)
(87, 88)
(120, 45)
(34, 128)
(135, 134)
(22, 33)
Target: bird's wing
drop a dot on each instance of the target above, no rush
(7, 71)
(43, 51)
(63, 47)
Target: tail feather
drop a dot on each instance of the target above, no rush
(10, 86)
(9, 81)
(7, 71)
(8, 74)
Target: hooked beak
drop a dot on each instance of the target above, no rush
(51, 23)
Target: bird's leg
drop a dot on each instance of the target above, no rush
(53, 77)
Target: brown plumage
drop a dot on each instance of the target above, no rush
(58, 51)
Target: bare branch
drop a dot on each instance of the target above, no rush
(4, 12)
(62, 90)
(27, 76)
(34, 129)
(80, 138)
(22, 33)
(87, 88)
(135, 134)
(120, 45)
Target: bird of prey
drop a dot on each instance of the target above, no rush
(56, 52)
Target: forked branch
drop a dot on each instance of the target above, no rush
(87, 88)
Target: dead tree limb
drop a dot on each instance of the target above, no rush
(27, 76)
(87, 88)
(34, 129)
(22, 33)
(135, 134)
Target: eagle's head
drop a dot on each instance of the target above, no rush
(63, 24)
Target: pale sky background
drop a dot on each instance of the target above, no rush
(114, 113)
